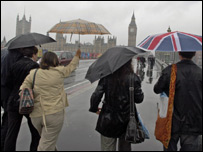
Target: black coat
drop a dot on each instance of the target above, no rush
(114, 115)
(187, 115)
(16, 76)
(8, 58)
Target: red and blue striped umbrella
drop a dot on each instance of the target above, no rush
(172, 42)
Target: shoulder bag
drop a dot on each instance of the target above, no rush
(134, 132)
(27, 99)
(163, 125)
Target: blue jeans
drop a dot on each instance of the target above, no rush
(187, 143)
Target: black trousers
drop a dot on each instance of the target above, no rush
(4, 128)
(4, 121)
(187, 143)
(14, 123)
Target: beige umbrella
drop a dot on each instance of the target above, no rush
(79, 27)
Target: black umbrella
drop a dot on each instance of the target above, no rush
(110, 61)
(27, 40)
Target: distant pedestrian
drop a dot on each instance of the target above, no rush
(142, 61)
(115, 113)
(151, 61)
(16, 75)
(50, 98)
(187, 110)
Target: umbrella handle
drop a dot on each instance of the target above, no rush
(71, 36)
(79, 42)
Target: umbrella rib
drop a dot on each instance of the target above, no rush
(177, 41)
(88, 29)
(69, 27)
(78, 27)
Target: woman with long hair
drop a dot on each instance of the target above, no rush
(115, 112)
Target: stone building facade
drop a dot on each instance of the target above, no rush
(23, 26)
(98, 46)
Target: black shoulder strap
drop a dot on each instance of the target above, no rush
(33, 82)
(131, 90)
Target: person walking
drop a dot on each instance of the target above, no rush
(50, 98)
(115, 112)
(8, 58)
(187, 109)
(15, 78)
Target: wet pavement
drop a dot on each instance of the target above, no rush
(78, 132)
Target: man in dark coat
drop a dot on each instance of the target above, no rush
(16, 75)
(187, 111)
(8, 58)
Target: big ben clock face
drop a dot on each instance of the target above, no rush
(131, 29)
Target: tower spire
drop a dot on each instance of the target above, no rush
(24, 13)
(132, 19)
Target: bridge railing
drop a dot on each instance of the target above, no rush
(161, 64)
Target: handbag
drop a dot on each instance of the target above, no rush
(163, 125)
(27, 99)
(134, 132)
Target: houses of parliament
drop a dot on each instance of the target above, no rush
(99, 46)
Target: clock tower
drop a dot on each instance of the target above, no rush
(132, 32)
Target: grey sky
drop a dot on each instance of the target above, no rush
(152, 17)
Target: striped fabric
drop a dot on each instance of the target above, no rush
(26, 101)
(79, 27)
(172, 42)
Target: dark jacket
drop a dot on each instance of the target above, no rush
(114, 115)
(16, 76)
(8, 58)
(187, 115)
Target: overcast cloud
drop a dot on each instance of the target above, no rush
(152, 17)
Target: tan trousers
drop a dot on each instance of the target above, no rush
(109, 144)
(54, 123)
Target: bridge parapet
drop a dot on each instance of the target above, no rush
(161, 64)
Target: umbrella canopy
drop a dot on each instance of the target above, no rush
(79, 27)
(110, 61)
(27, 40)
(172, 42)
